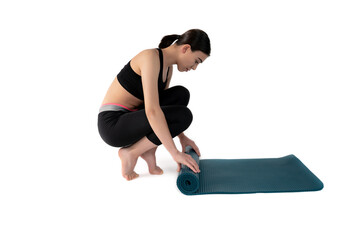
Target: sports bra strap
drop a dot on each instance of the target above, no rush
(161, 65)
(161, 60)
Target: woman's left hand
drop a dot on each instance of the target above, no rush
(185, 141)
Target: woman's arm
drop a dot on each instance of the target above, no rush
(149, 74)
(158, 123)
(181, 135)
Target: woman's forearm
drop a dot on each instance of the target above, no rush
(181, 135)
(160, 127)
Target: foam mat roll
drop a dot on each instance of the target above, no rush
(188, 181)
(234, 176)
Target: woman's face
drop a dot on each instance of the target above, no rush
(188, 59)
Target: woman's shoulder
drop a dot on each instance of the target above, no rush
(148, 53)
(146, 57)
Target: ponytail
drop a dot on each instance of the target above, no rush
(168, 40)
(196, 38)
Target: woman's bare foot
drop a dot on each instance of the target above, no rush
(128, 162)
(150, 159)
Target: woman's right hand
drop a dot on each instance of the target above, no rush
(187, 160)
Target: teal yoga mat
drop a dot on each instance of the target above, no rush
(231, 176)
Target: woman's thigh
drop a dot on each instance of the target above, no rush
(177, 95)
(131, 127)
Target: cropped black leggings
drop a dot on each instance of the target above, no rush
(124, 127)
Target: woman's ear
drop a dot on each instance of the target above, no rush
(185, 48)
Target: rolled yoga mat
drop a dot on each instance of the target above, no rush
(231, 176)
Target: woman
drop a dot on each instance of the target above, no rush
(140, 111)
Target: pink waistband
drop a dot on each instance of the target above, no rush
(120, 106)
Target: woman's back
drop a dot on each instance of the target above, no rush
(126, 88)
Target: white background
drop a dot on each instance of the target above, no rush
(282, 79)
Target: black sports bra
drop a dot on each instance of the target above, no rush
(131, 81)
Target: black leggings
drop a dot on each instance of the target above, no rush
(124, 128)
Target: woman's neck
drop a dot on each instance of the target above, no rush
(170, 55)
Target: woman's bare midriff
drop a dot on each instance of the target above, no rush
(117, 94)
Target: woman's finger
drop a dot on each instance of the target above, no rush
(194, 164)
(197, 150)
(191, 166)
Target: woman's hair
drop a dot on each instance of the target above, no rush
(196, 38)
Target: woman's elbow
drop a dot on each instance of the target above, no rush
(152, 111)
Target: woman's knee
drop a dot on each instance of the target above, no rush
(178, 115)
(185, 95)
(186, 115)
(180, 95)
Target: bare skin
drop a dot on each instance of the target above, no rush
(143, 148)
(150, 159)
